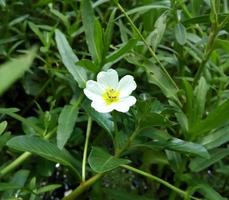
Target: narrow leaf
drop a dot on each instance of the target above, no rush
(88, 19)
(199, 164)
(166, 141)
(156, 35)
(44, 149)
(101, 161)
(66, 123)
(103, 119)
(119, 53)
(109, 30)
(14, 69)
(161, 79)
(216, 138)
(88, 64)
(8, 186)
(3, 126)
(214, 120)
(118, 194)
(48, 188)
(180, 34)
(69, 59)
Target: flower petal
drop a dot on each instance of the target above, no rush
(93, 90)
(124, 104)
(101, 106)
(108, 78)
(126, 86)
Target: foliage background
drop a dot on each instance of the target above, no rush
(178, 131)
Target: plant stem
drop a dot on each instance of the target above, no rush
(89, 124)
(26, 155)
(211, 41)
(22, 120)
(15, 163)
(118, 152)
(82, 187)
(86, 184)
(22, 157)
(155, 178)
(145, 42)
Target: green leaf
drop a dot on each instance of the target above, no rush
(69, 59)
(3, 126)
(3, 139)
(99, 41)
(203, 19)
(200, 94)
(153, 119)
(29, 123)
(117, 194)
(66, 123)
(156, 35)
(8, 186)
(89, 24)
(216, 138)
(214, 120)
(88, 64)
(109, 30)
(63, 18)
(196, 7)
(103, 119)
(198, 98)
(20, 177)
(8, 110)
(161, 79)
(37, 31)
(14, 69)
(175, 161)
(119, 53)
(166, 141)
(199, 164)
(222, 44)
(100, 161)
(143, 9)
(48, 188)
(196, 184)
(180, 34)
(44, 149)
(3, 3)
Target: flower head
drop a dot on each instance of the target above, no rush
(108, 93)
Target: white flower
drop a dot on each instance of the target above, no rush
(108, 94)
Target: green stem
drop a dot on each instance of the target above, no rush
(145, 42)
(89, 124)
(37, 96)
(118, 152)
(79, 101)
(215, 27)
(15, 163)
(224, 22)
(22, 157)
(155, 178)
(82, 187)
(22, 119)
(26, 155)
(85, 185)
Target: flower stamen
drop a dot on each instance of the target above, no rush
(111, 96)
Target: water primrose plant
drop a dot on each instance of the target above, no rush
(118, 100)
(107, 94)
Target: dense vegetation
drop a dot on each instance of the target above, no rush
(172, 144)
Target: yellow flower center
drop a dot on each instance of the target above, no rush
(111, 96)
